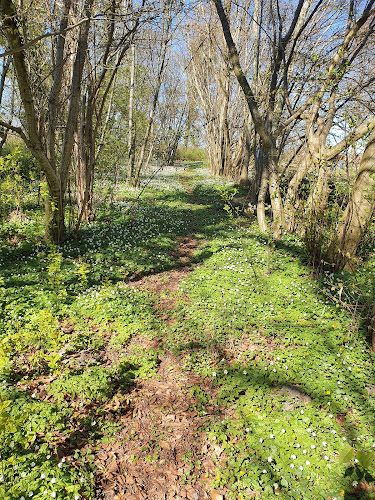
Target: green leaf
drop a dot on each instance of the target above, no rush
(268, 490)
(284, 482)
(4, 404)
(11, 427)
(365, 459)
(346, 454)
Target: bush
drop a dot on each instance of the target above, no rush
(191, 154)
(17, 170)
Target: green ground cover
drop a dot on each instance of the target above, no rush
(287, 351)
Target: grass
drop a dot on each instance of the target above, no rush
(287, 352)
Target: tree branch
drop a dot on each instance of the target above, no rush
(350, 139)
(34, 41)
(17, 130)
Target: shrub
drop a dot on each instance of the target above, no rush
(191, 154)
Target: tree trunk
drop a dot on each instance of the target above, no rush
(150, 125)
(276, 201)
(357, 214)
(262, 127)
(84, 172)
(225, 169)
(318, 198)
(258, 167)
(291, 198)
(244, 172)
(55, 216)
(131, 136)
(241, 161)
(261, 201)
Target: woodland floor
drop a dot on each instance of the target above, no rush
(162, 419)
(198, 360)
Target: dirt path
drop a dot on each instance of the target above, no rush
(162, 451)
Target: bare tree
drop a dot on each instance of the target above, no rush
(39, 129)
(217, 96)
(161, 41)
(274, 116)
(263, 126)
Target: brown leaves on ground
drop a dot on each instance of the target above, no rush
(161, 452)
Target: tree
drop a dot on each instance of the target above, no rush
(357, 214)
(285, 103)
(146, 149)
(65, 67)
(263, 126)
(321, 113)
(39, 128)
(108, 48)
(5, 66)
(220, 101)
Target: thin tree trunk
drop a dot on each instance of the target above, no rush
(150, 124)
(244, 173)
(131, 136)
(55, 216)
(261, 202)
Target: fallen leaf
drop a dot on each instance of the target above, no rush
(215, 495)
(112, 467)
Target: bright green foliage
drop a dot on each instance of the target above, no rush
(17, 173)
(190, 154)
(6, 422)
(55, 276)
(11, 185)
(36, 336)
(83, 270)
(26, 461)
(286, 352)
(92, 385)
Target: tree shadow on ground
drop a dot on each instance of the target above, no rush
(140, 244)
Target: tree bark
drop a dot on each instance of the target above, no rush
(131, 136)
(261, 126)
(261, 202)
(357, 215)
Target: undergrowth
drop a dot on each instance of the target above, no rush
(287, 351)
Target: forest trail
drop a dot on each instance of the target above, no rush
(196, 359)
(161, 452)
